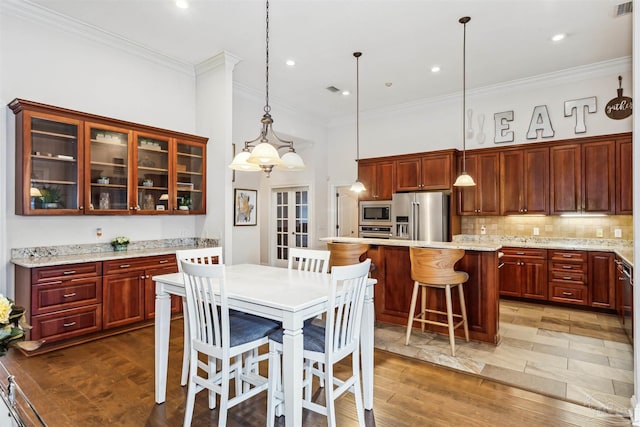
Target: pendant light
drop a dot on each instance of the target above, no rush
(464, 179)
(357, 186)
(262, 153)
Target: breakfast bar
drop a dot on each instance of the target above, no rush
(393, 291)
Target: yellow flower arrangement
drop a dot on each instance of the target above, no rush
(11, 324)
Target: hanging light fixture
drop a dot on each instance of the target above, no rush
(357, 186)
(262, 153)
(464, 179)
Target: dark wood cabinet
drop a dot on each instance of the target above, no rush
(377, 178)
(428, 172)
(70, 162)
(568, 276)
(582, 178)
(524, 181)
(484, 197)
(624, 176)
(602, 280)
(523, 273)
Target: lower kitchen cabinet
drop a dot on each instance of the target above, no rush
(77, 302)
(523, 273)
(568, 277)
(602, 280)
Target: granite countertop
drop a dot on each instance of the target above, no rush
(469, 246)
(622, 248)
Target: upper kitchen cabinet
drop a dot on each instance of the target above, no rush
(524, 181)
(582, 178)
(48, 163)
(377, 178)
(624, 176)
(69, 162)
(484, 197)
(427, 172)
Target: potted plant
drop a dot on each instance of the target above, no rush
(184, 203)
(50, 197)
(147, 182)
(120, 243)
(103, 179)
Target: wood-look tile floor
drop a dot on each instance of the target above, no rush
(110, 382)
(576, 355)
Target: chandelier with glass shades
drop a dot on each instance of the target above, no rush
(261, 153)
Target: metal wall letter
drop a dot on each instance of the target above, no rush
(503, 134)
(540, 121)
(578, 105)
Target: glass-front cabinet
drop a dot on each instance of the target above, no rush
(108, 169)
(190, 181)
(68, 162)
(49, 173)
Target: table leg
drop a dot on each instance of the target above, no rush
(292, 358)
(366, 348)
(162, 330)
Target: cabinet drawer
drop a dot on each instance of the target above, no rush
(67, 324)
(524, 253)
(69, 294)
(65, 272)
(574, 294)
(568, 266)
(564, 256)
(575, 278)
(142, 263)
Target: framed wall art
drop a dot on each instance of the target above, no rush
(245, 206)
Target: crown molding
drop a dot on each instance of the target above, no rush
(222, 58)
(36, 13)
(568, 75)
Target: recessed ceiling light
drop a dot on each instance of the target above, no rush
(388, 84)
(558, 37)
(182, 4)
(290, 62)
(435, 69)
(346, 92)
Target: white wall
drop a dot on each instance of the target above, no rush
(436, 124)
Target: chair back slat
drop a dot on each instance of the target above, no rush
(346, 302)
(208, 315)
(200, 256)
(436, 266)
(309, 259)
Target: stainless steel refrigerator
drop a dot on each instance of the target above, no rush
(421, 216)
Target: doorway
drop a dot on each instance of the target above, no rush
(346, 219)
(291, 225)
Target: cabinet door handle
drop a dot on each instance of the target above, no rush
(567, 256)
(72, 294)
(66, 325)
(566, 278)
(164, 261)
(520, 253)
(69, 272)
(567, 267)
(125, 265)
(567, 294)
(80, 208)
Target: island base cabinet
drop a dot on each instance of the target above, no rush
(395, 286)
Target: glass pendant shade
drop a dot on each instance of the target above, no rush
(291, 161)
(464, 180)
(240, 162)
(357, 187)
(264, 154)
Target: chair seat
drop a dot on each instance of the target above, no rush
(313, 337)
(247, 328)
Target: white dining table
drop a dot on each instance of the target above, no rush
(289, 296)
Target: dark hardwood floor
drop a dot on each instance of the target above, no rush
(110, 382)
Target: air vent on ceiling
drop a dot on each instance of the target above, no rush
(333, 89)
(623, 8)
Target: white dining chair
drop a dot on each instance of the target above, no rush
(310, 260)
(328, 344)
(199, 256)
(221, 338)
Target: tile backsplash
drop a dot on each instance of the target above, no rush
(583, 227)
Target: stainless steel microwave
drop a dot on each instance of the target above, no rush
(375, 213)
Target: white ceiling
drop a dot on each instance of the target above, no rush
(400, 40)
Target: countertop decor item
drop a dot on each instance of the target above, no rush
(120, 243)
(261, 153)
(12, 326)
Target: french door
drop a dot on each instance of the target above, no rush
(292, 227)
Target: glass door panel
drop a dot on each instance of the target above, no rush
(108, 169)
(54, 174)
(190, 183)
(291, 222)
(152, 173)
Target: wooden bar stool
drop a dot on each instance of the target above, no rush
(433, 268)
(346, 253)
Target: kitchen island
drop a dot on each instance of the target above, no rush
(393, 291)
